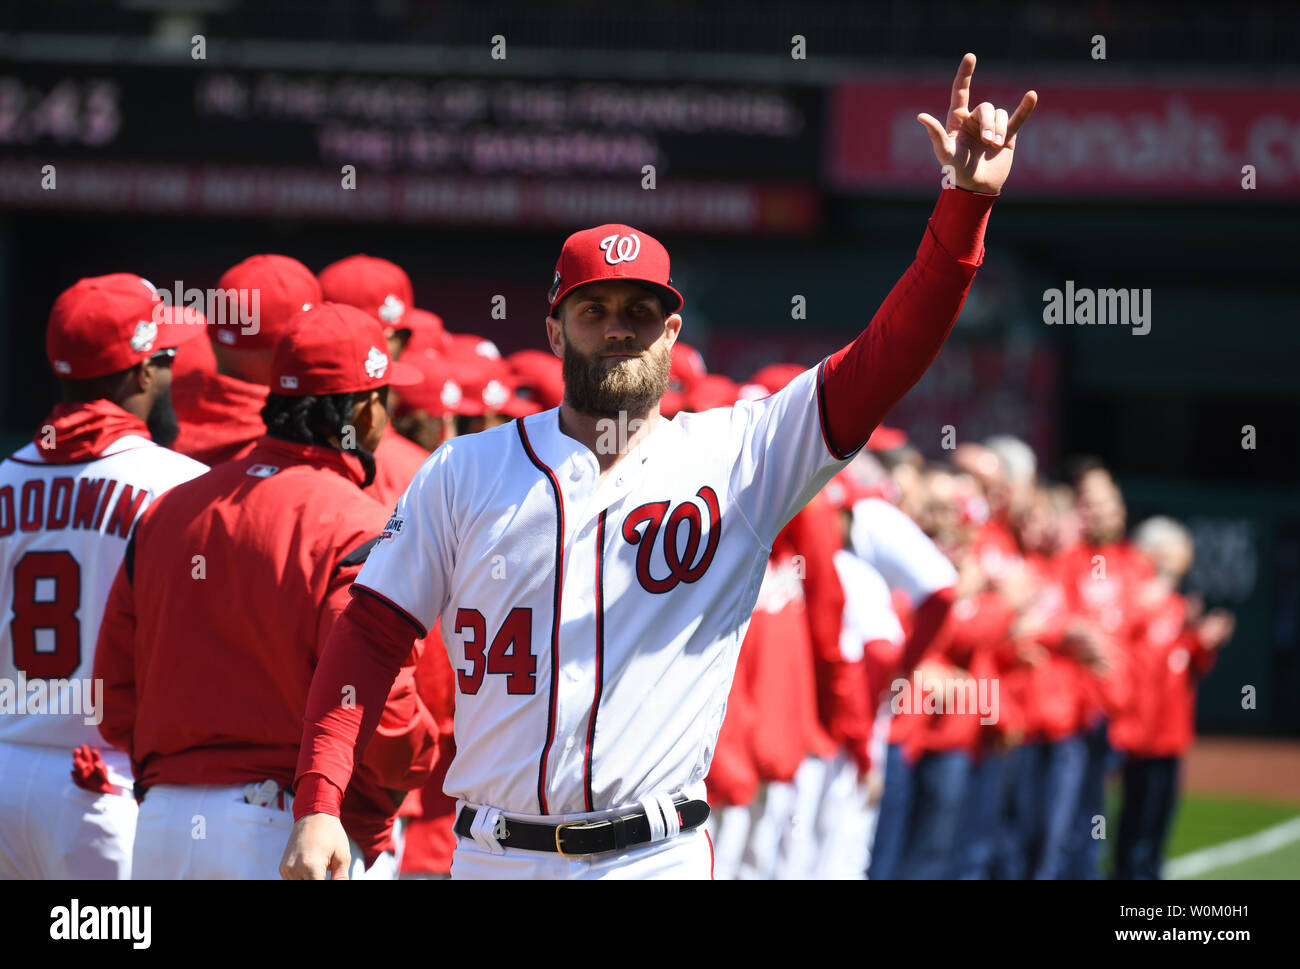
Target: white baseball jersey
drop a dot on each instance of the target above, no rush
(594, 631)
(63, 530)
(894, 545)
(868, 611)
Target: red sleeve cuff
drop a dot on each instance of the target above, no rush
(316, 794)
(958, 222)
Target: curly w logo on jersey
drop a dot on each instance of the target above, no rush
(682, 566)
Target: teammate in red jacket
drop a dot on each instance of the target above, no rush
(1174, 649)
(221, 413)
(383, 289)
(216, 620)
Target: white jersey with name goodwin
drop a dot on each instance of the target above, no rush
(594, 631)
(63, 531)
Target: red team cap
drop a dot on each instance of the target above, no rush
(846, 489)
(426, 327)
(672, 403)
(468, 346)
(686, 367)
(776, 375)
(439, 391)
(539, 376)
(103, 324)
(710, 391)
(380, 287)
(332, 348)
(886, 438)
(490, 390)
(613, 251)
(197, 357)
(284, 286)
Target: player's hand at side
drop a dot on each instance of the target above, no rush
(317, 846)
(978, 143)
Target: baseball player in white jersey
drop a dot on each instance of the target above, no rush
(68, 503)
(594, 566)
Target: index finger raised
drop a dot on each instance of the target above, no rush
(961, 84)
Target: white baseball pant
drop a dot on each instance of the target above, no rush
(50, 828)
(193, 831)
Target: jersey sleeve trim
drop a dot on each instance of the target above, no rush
(555, 614)
(821, 418)
(419, 627)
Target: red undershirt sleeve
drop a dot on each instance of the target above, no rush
(366, 648)
(862, 382)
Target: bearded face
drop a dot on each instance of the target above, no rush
(607, 386)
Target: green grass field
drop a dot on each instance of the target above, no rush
(1203, 821)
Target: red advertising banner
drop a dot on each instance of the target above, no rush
(1163, 139)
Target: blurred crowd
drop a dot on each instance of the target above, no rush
(946, 660)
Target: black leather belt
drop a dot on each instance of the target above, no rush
(584, 837)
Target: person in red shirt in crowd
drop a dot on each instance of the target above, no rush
(383, 289)
(1176, 647)
(918, 807)
(1005, 481)
(220, 412)
(240, 574)
(955, 699)
(1054, 756)
(1101, 576)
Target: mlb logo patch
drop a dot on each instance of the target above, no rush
(289, 383)
(261, 471)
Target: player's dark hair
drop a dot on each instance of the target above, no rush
(314, 420)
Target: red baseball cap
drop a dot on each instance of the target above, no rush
(428, 327)
(776, 375)
(283, 287)
(671, 403)
(438, 393)
(710, 391)
(613, 251)
(469, 346)
(197, 355)
(332, 348)
(380, 287)
(686, 366)
(886, 438)
(539, 376)
(846, 489)
(489, 389)
(102, 324)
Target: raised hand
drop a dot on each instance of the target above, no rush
(978, 144)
